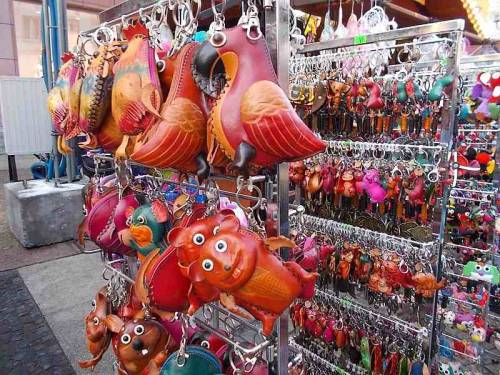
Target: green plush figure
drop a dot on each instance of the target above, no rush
(365, 353)
(148, 227)
(445, 369)
(436, 91)
(486, 272)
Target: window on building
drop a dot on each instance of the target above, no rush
(28, 34)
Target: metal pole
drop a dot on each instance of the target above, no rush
(282, 8)
(50, 81)
(447, 132)
(62, 42)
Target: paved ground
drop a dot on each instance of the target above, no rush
(45, 298)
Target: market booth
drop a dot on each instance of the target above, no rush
(304, 187)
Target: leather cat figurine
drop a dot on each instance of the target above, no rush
(240, 263)
(253, 121)
(160, 281)
(95, 98)
(98, 335)
(138, 342)
(178, 140)
(136, 95)
(58, 98)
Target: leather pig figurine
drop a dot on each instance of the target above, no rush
(242, 264)
(98, 335)
(178, 139)
(188, 242)
(138, 342)
(253, 122)
(136, 95)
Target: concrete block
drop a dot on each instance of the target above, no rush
(42, 214)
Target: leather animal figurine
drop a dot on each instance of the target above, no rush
(95, 97)
(136, 94)
(374, 100)
(188, 240)
(106, 220)
(138, 342)
(242, 264)
(371, 184)
(426, 284)
(149, 224)
(72, 128)
(98, 335)
(160, 282)
(58, 99)
(178, 140)
(108, 136)
(436, 91)
(253, 120)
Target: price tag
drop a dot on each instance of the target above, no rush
(360, 39)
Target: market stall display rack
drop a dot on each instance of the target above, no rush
(315, 58)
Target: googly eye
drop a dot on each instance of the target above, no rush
(207, 265)
(198, 239)
(221, 246)
(216, 230)
(139, 330)
(94, 303)
(96, 321)
(205, 344)
(125, 339)
(85, 212)
(141, 220)
(478, 267)
(487, 268)
(128, 222)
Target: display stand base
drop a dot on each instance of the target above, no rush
(41, 214)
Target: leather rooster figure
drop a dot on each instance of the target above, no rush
(241, 264)
(98, 335)
(58, 100)
(253, 122)
(178, 140)
(136, 94)
(95, 98)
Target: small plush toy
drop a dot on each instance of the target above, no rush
(486, 272)
(449, 318)
(445, 369)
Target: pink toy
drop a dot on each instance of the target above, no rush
(226, 204)
(327, 180)
(371, 184)
(307, 256)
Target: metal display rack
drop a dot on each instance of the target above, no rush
(333, 50)
(470, 67)
(215, 318)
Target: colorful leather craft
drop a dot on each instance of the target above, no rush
(241, 264)
(253, 120)
(58, 96)
(106, 221)
(139, 342)
(178, 140)
(95, 97)
(98, 335)
(188, 241)
(72, 128)
(197, 361)
(160, 282)
(136, 94)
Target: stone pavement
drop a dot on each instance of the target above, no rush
(45, 297)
